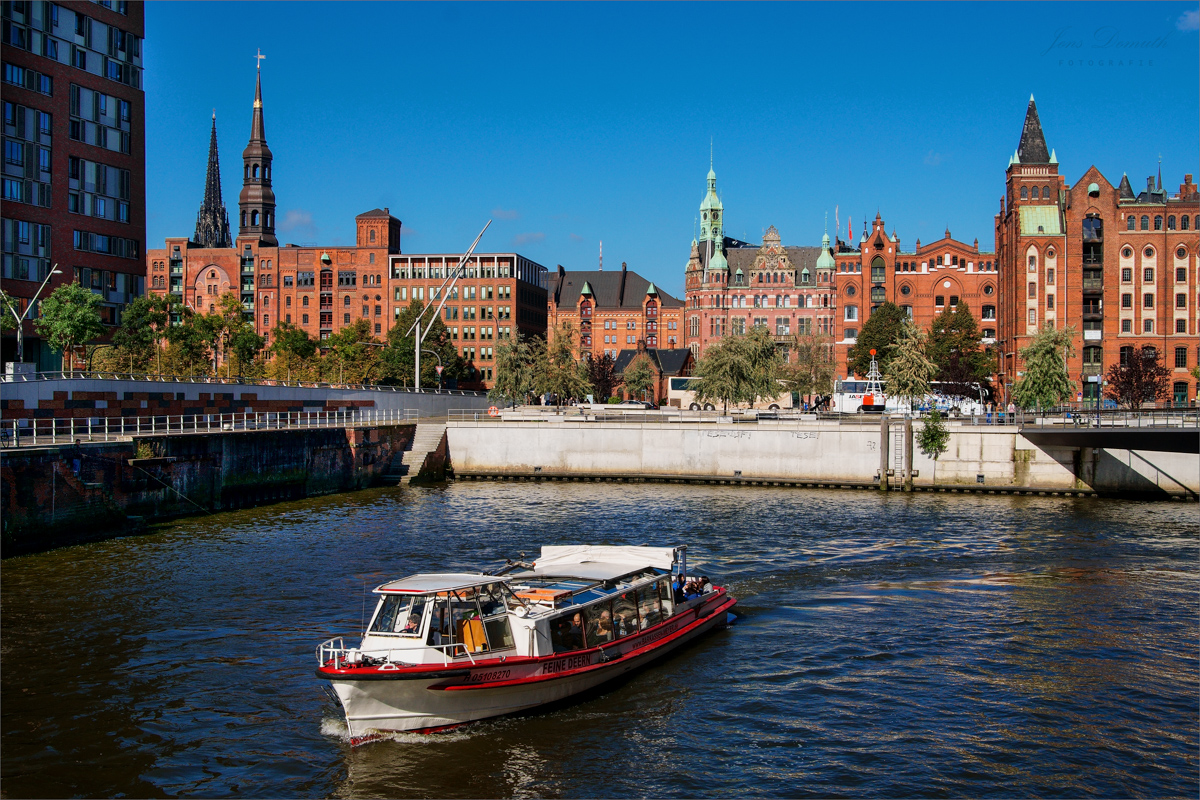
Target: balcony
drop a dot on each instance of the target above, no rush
(1093, 369)
(1093, 284)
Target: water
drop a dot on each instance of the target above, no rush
(925, 645)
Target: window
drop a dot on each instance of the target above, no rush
(1181, 300)
(905, 290)
(346, 301)
(1181, 326)
(1049, 302)
(1158, 222)
(1148, 326)
(1145, 223)
(1049, 277)
(1181, 253)
(878, 294)
(1032, 291)
(940, 301)
(1127, 252)
(1126, 275)
(1126, 326)
(1171, 222)
(851, 313)
(345, 319)
(304, 301)
(851, 333)
(1148, 300)
(989, 312)
(1033, 263)
(1183, 222)
(1148, 275)
(1024, 193)
(1127, 301)
(304, 319)
(989, 289)
(1148, 252)
(1033, 316)
(989, 333)
(1131, 223)
(877, 270)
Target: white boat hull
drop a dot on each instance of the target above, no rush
(463, 692)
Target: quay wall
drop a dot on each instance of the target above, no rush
(816, 452)
(95, 398)
(53, 496)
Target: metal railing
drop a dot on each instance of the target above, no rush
(44, 431)
(1081, 416)
(29, 377)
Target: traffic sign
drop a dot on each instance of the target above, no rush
(439, 369)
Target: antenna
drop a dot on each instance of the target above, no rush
(602, 255)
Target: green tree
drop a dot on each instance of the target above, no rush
(879, 333)
(516, 369)
(351, 356)
(954, 347)
(1045, 383)
(738, 369)
(70, 316)
(909, 371)
(9, 311)
(397, 362)
(810, 371)
(291, 347)
(1142, 380)
(245, 345)
(638, 377)
(190, 344)
(933, 438)
(144, 324)
(560, 371)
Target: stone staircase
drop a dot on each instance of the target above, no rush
(408, 464)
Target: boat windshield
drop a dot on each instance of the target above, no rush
(474, 619)
(400, 614)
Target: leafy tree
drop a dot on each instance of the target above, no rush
(1046, 383)
(638, 376)
(289, 345)
(350, 355)
(561, 373)
(245, 345)
(954, 347)
(738, 369)
(602, 376)
(9, 311)
(933, 438)
(879, 333)
(397, 362)
(1143, 379)
(70, 317)
(516, 368)
(143, 326)
(909, 371)
(190, 344)
(811, 372)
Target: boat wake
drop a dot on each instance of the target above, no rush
(335, 728)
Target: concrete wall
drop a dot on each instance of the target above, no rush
(85, 397)
(51, 496)
(817, 452)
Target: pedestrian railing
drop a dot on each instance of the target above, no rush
(1081, 417)
(29, 377)
(53, 430)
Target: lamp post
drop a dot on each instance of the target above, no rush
(21, 317)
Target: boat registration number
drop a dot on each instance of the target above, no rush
(564, 664)
(485, 677)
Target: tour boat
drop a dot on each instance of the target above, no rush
(445, 649)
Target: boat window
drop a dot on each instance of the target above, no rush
(666, 597)
(598, 617)
(466, 621)
(491, 601)
(649, 608)
(400, 614)
(625, 616)
(566, 632)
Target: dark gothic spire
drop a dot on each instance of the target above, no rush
(256, 203)
(1032, 149)
(212, 221)
(1124, 190)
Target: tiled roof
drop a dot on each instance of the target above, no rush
(669, 362)
(613, 289)
(743, 257)
(374, 212)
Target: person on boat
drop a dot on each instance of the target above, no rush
(575, 632)
(437, 627)
(414, 623)
(604, 628)
(677, 588)
(692, 590)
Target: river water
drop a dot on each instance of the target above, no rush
(931, 645)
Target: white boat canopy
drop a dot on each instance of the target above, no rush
(601, 562)
(437, 582)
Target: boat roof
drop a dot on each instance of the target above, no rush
(437, 582)
(593, 570)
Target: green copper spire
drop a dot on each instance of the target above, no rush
(712, 212)
(652, 290)
(587, 289)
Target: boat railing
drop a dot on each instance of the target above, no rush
(335, 650)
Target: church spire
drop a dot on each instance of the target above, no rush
(1032, 149)
(256, 202)
(212, 221)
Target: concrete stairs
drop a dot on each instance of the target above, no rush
(408, 464)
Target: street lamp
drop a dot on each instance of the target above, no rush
(21, 317)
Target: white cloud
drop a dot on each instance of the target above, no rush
(505, 213)
(932, 159)
(298, 221)
(526, 238)
(575, 237)
(1188, 21)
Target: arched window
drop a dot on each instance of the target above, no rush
(1045, 192)
(1183, 222)
(247, 172)
(371, 237)
(1024, 193)
(1171, 222)
(253, 218)
(1131, 223)
(371, 258)
(304, 301)
(1158, 222)
(254, 171)
(266, 301)
(1145, 223)
(243, 219)
(346, 301)
(270, 219)
(1033, 193)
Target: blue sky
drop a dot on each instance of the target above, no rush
(568, 124)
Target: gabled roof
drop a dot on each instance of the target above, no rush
(743, 257)
(668, 362)
(375, 212)
(613, 289)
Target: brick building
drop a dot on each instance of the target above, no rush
(613, 311)
(322, 290)
(1119, 267)
(74, 156)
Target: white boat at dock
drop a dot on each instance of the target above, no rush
(446, 649)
